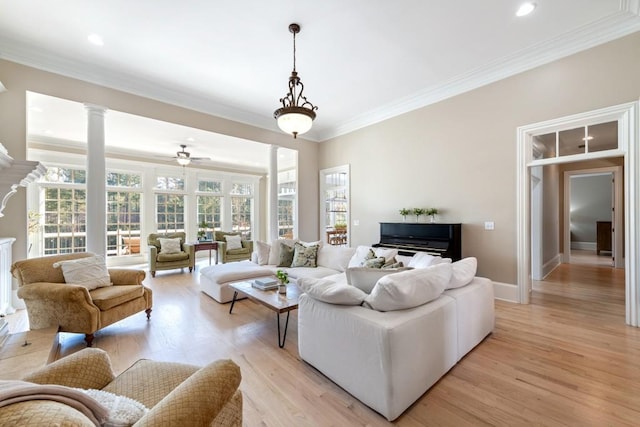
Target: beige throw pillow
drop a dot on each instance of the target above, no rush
(170, 246)
(233, 241)
(326, 290)
(262, 252)
(90, 272)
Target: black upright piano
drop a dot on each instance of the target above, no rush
(440, 239)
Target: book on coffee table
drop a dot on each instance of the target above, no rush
(265, 283)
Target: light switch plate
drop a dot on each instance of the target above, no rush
(489, 225)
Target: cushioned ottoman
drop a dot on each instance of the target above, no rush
(215, 278)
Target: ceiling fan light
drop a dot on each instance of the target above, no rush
(183, 161)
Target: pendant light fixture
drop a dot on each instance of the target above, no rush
(297, 114)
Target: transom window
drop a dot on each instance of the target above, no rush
(580, 140)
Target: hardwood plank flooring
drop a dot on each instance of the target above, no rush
(566, 359)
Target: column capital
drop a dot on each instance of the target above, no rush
(95, 109)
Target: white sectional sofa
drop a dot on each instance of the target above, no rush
(214, 279)
(386, 359)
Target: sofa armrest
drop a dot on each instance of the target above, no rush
(199, 399)
(248, 244)
(88, 368)
(122, 276)
(190, 249)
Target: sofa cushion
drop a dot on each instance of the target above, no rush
(463, 272)
(304, 256)
(334, 257)
(169, 245)
(331, 292)
(90, 272)
(238, 251)
(165, 257)
(109, 297)
(303, 272)
(409, 289)
(274, 253)
(365, 278)
(262, 252)
(234, 241)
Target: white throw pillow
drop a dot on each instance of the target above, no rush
(170, 246)
(274, 252)
(334, 257)
(421, 260)
(439, 260)
(233, 241)
(463, 272)
(404, 259)
(262, 252)
(90, 272)
(123, 411)
(365, 278)
(331, 292)
(409, 289)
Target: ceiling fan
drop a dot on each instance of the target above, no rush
(184, 157)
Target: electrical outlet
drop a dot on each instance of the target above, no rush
(489, 225)
(356, 222)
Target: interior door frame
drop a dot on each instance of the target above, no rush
(323, 186)
(617, 244)
(627, 117)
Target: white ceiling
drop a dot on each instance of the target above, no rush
(361, 60)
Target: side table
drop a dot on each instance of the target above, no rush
(203, 246)
(18, 359)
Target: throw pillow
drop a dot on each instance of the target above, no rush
(334, 257)
(286, 255)
(233, 241)
(362, 251)
(123, 411)
(409, 289)
(274, 252)
(170, 246)
(365, 278)
(374, 263)
(331, 292)
(421, 260)
(304, 256)
(463, 272)
(262, 251)
(90, 272)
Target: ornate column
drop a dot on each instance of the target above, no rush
(273, 193)
(96, 224)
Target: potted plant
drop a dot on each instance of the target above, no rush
(340, 225)
(202, 230)
(404, 212)
(431, 213)
(418, 212)
(283, 279)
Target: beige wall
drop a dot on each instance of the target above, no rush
(459, 155)
(19, 79)
(550, 219)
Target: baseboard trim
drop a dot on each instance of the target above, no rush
(584, 246)
(505, 292)
(550, 265)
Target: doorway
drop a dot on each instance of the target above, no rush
(546, 144)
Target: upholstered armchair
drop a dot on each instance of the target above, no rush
(184, 256)
(175, 394)
(51, 301)
(237, 254)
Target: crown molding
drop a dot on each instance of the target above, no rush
(621, 23)
(614, 26)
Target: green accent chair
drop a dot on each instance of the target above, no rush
(159, 261)
(232, 254)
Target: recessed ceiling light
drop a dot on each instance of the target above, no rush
(525, 8)
(95, 39)
(190, 139)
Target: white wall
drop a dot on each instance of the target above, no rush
(590, 202)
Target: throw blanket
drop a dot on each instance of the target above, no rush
(20, 391)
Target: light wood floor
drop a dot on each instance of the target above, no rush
(566, 359)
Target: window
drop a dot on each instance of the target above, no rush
(170, 212)
(65, 202)
(580, 140)
(286, 203)
(123, 213)
(241, 209)
(210, 205)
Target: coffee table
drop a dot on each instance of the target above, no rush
(280, 303)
